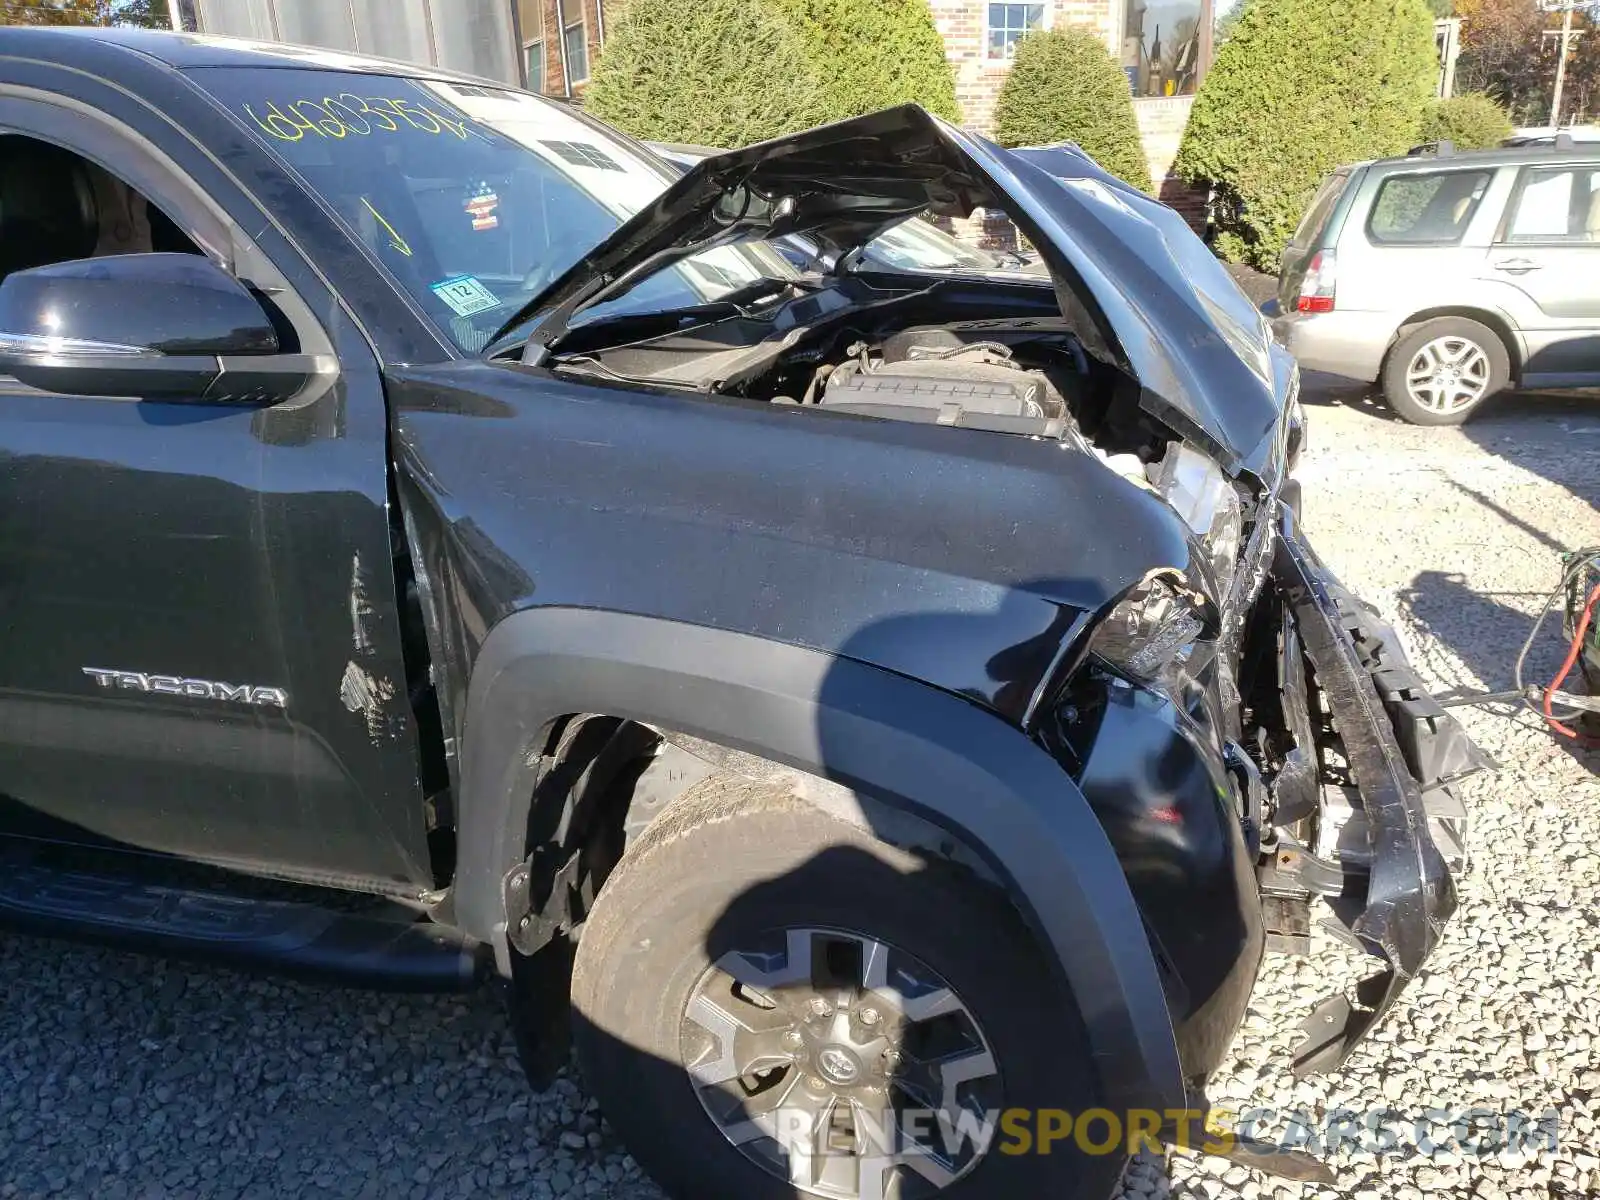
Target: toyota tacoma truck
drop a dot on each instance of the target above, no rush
(839, 704)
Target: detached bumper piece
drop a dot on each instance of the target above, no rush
(1403, 752)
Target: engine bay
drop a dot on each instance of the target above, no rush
(974, 354)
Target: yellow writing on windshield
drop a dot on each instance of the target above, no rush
(396, 242)
(349, 115)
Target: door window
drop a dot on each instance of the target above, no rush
(56, 206)
(1556, 204)
(1431, 208)
(1316, 216)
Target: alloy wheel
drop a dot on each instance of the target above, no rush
(842, 1065)
(1448, 374)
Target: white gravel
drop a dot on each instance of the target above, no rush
(124, 1076)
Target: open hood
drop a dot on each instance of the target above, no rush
(1143, 291)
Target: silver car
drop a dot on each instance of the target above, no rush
(1450, 276)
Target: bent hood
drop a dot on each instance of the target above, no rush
(1142, 290)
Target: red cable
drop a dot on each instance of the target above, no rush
(1566, 669)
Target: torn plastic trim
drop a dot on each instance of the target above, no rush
(1192, 1130)
(1410, 894)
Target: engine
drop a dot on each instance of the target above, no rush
(932, 374)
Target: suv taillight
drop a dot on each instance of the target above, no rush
(1317, 289)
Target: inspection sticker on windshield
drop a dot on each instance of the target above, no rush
(465, 294)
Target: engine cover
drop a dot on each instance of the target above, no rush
(933, 374)
(1002, 390)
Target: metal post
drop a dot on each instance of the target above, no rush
(1447, 31)
(1561, 66)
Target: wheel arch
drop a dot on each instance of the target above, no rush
(1491, 318)
(904, 745)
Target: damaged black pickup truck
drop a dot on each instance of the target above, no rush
(853, 703)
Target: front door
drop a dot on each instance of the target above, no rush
(1546, 255)
(201, 649)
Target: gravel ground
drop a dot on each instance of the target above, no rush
(124, 1076)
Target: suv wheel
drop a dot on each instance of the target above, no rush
(1442, 370)
(770, 1003)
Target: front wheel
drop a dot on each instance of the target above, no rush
(1443, 370)
(770, 1003)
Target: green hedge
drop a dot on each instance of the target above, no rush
(877, 53)
(713, 72)
(1065, 87)
(731, 72)
(1472, 120)
(1300, 87)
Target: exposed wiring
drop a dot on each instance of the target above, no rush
(1573, 651)
(1580, 562)
(1474, 699)
(1573, 570)
(1542, 700)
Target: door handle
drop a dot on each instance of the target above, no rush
(1517, 266)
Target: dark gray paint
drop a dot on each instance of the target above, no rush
(889, 737)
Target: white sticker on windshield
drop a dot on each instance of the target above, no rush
(465, 294)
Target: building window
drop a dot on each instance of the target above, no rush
(530, 25)
(533, 60)
(1166, 45)
(1007, 24)
(575, 49)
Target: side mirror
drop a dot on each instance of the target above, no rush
(150, 326)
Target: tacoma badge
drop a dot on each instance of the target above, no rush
(195, 689)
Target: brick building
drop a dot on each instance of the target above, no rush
(1164, 46)
(558, 40)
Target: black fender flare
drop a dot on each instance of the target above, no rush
(898, 741)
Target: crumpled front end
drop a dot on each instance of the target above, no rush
(1286, 755)
(1387, 839)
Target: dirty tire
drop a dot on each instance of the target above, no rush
(1480, 343)
(732, 862)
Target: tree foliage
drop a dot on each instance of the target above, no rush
(1581, 97)
(152, 14)
(1503, 53)
(1228, 21)
(1473, 121)
(877, 53)
(1301, 87)
(732, 72)
(55, 12)
(719, 73)
(1064, 87)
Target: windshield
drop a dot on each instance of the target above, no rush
(473, 198)
(916, 245)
